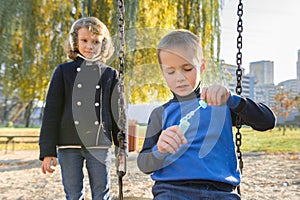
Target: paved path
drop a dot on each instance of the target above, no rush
(266, 176)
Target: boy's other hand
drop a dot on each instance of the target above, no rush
(170, 140)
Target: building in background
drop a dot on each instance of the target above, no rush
(264, 88)
(265, 94)
(292, 88)
(228, 73)
(298, 65)
(263, 71)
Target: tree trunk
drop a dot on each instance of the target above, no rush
(28, 112)
(18, 111)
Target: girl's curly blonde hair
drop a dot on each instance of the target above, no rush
(96, 27)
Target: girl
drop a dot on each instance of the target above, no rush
(79, 117)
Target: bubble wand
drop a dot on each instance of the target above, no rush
(184, 123)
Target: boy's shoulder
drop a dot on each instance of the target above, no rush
(168, 103)
(162, 107)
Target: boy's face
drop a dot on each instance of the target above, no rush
(89, 44)
(181, 76)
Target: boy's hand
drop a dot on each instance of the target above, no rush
(48, 164)
(170, 140)
(215, 95)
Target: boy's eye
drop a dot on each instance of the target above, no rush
(188, 69)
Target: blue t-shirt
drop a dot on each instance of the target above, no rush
(209, 154)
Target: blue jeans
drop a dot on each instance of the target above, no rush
(98, 166)
(191, 190)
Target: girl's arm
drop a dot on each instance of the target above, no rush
(52, 115)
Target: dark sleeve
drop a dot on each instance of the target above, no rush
(256, 115)
(149, 159)
(52, 115)
(116, 97)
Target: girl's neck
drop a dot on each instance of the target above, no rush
(90, 61)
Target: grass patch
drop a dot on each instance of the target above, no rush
(252, 141)
(270, 141)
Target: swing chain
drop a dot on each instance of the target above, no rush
(238, 135)
(121, 34)
(121, 154)
(239, 46)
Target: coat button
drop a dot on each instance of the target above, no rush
(78, 69)
(96, 123)
(78, 103)
(79, 85)
(97, 104)
(97, 86)
(76, 122)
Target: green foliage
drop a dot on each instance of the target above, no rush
(143, 77)
(33, 34)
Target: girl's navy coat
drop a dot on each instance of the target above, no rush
(58, 127)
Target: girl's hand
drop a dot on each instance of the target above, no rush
(215, 95)
(170, 140)
(48, 164)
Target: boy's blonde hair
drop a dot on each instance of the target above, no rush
(184, 44)
(96, 27)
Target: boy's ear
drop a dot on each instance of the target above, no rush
(203, 66)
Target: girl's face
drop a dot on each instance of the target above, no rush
(181, 76)
(89, 44)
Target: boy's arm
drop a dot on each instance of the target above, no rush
(149, 159)
(257, 115)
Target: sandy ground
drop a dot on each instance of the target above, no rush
(265, 176)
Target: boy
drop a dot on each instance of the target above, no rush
(199, 163)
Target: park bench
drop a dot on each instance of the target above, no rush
(10, 138)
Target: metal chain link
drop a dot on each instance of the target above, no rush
(121, 155)
(238, 135)
(121, 34)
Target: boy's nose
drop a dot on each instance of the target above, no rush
(180, 77)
